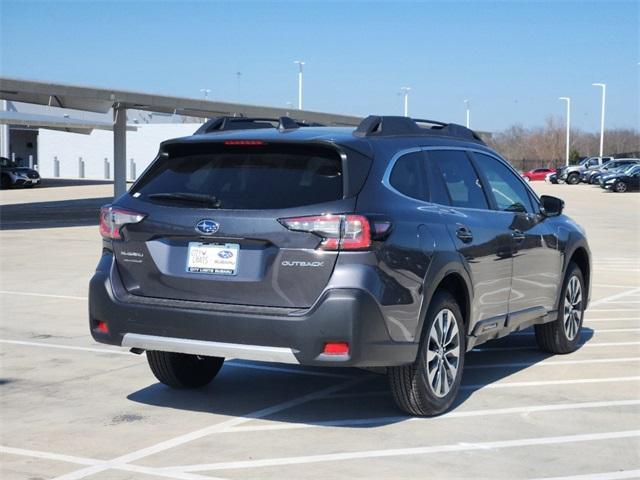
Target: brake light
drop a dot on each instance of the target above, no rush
(338, 232)
(112, 219)
(243, 142)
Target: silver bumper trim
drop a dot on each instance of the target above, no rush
(209, 349)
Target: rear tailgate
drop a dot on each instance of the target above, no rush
(239, 252)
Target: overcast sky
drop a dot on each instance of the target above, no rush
(512, 60)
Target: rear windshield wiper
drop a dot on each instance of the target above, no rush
(200, 198)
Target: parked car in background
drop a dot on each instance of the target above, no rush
(572, 173)
(619, 164)
(537, 174)
(623, 181)
(11, 174)
(551, 178)
(401, 244)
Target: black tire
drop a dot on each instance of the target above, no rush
(573, 179)
(410, 384)
(5, 182)
(180, 370)
(620, 187)
(557, 336)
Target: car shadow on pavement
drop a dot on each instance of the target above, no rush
(251, 390)
(53, 214)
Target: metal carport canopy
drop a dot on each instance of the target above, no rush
(52, 122)
(103, 99)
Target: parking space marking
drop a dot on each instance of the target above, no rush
(203, 432)
(533, 347)
(49, 456)
(599, 330)
(66, 347)
(452, 414)
(395, 452)
(494, 385)
(535, 363)
(46, 295)
(598, 310)
(540, 383)
(228, 363)
(612, 319)
(100, 464)
(617, 475)
(615, 296)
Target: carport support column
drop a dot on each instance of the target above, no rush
(5, 149)
(119, 150)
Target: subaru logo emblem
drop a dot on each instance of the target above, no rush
(207, 226)
(225, 254)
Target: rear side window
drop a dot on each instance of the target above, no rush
(460, 179)
(407, 176)
(247, 177)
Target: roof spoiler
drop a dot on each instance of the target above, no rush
(225, 124)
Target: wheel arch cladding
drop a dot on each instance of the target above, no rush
(581, 258)
(454, 283)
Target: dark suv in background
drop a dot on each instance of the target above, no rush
(400, 244)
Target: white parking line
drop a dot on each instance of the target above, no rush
(611, 319)
(46, 295)
(228, 363)
(456, 447)
(49, 456)
(598, 310)
(494, 385)
(95, 463)
(617, 475)
(66, 347)
(533, 347)
(533, 363)
(453, 414)
(540, 383)
(203, 432)
(615, 296)
(598, 331)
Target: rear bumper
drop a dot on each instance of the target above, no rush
(340, 315)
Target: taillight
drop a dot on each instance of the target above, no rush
(112, 219)
(338, 232)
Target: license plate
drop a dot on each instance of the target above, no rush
(213, 258)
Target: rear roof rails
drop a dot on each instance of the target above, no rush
(387, 126)
(224, 124)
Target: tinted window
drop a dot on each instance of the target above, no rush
(461, 182)
(407, 176)
(592, 163)
(257, 177)
(509, 192)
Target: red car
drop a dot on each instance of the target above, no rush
(537, 174)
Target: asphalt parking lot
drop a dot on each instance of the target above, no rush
(73, 409)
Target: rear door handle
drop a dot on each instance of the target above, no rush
(464, 234)
(517, 235)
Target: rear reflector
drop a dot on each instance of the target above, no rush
(338, 232)
(102, 327)
(336, 348)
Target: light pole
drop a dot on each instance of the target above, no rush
(405, 91)
(466, 105)
(604, 97)
(205, 92)
(300, 63)
(568, 100)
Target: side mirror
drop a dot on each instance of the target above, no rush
(551, 206)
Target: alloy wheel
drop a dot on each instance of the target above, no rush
(621, 187)
(443, 353)
(572, 308)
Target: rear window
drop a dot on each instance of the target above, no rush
(246, 177)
